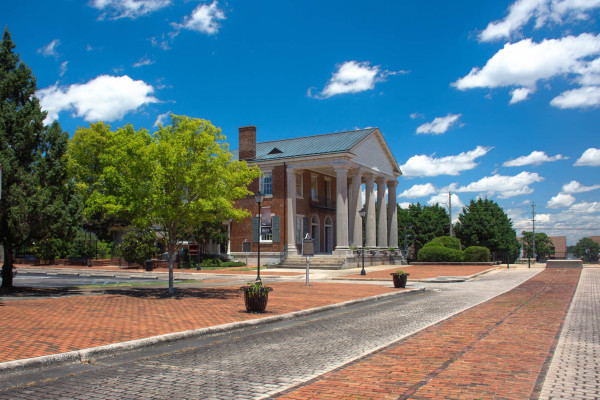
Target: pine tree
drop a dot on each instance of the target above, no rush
(37, 200)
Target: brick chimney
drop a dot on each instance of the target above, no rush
(247, 142)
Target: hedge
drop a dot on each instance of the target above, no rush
(449, 242)
(435, 252)
(477, 254)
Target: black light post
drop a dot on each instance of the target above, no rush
(259, 197)
(362, 214)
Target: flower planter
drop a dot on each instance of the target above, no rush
(399, 280)
(256, 297)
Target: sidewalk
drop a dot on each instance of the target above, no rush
(499, 349)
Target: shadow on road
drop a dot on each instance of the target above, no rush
(179, 293)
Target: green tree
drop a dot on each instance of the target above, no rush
(484, 223)
(421, 225)
(138, 245)
(587, 249)
(37, 199)
(544, 247)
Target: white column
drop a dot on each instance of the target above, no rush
(370, 205)
(392, 214)
(382, 222)
(291, 209)
(341, 208)
(229, 236)
(355, 221)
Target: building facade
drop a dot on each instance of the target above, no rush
(313, 185)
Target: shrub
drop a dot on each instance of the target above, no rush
(436, 252)
(449, 242)
(138, 245)
(476, 254)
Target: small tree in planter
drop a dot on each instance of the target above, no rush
(400, 277)
(256, 296)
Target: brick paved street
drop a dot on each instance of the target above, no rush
(257, 362)
(575, 369)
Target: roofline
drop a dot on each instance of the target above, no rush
(311, 136)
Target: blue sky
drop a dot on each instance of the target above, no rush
(498, 99)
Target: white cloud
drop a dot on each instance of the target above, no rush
(524, 63)
(160, 120)
(584, 97)
(63, 68)
(116, 9)
(50, 49)
(104, 98)
(143, 62)
(205, 18)
(535, 158)
(424, 165)
(442, 199)
(503, 186)
(585, 207)
(561, 200)
(522, 11)
(404, 205)
(589, 158)
(576, 187)
(520, 94)
(416, 116)
(439, 125)
(353, 77)
(419, 191)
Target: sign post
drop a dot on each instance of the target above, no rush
(246, 249)
(308, 250)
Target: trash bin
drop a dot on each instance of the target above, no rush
(148, 265)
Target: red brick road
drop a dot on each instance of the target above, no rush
(496, 350)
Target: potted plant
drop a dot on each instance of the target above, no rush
(256, 296)
(400, 277)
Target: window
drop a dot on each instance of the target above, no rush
(266, 183)
(299, 185)
(328, 189)
(314, 192)
(266, 232)
(299, 230)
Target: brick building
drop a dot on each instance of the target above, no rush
(313, 185)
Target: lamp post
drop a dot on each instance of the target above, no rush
(259, 197)
(362, 214)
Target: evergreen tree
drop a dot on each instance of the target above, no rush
(421, 224)
(37, 199)
(484, 223)
(587, 249)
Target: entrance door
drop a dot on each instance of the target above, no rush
(315, 233)
(328, 235)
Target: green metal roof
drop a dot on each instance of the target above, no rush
(330, 143)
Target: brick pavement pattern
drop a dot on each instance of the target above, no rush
(32, 328)
(575, 369)
(494, 350)
(424, 271)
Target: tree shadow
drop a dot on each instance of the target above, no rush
(179, 293)
(24, 292)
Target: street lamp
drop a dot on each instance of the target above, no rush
(362, 214)
(259, 197)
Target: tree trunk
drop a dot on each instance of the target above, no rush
(7, 269)
(171, 260)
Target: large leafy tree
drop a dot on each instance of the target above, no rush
(484, 223)
(38, 200)
(543, 245)
(587, 249)
(421, 224)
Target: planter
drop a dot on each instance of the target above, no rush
(256, 297)
(399, 280)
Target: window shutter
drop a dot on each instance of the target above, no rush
(275, 228)
(255, 229)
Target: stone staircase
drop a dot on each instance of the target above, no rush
(318, 262)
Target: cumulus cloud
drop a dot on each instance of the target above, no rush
(525, 62)
(50, 49)
(586, 207)
(520, 94)
(561, 200)
(205, 18)
(115, 9)
(404, 205)
(503, 186)
(542, 11)
(439, 125)
(589, 158)
(576, 187)
(442, 199)
(584, 97)
(105, 97)
(419, 191)
(424, 165)
(535, 158)
(353, 77)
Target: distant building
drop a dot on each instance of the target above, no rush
(559, 245)
(595, 239)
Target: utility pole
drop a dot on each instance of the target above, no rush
(533, 233)
(450, 212)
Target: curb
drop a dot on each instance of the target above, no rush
(90, 354)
